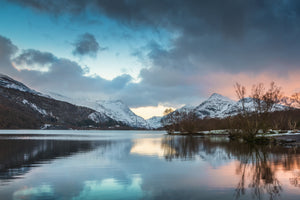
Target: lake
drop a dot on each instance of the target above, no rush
(142, 165)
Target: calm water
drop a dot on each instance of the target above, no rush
(142, 165)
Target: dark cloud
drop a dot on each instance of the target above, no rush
(7, 50)
(207, 36)
(54, 7)
(228, 35)
(32, 56)
(86, 44)
(121, 81)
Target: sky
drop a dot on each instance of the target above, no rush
(151, 54)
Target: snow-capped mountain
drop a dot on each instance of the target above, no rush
(217, 106)
(63, 110)
(115, 109)
(120, 112)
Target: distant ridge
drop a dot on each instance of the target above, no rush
(31, 107)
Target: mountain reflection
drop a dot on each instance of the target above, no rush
(257, 165)
(17, 157)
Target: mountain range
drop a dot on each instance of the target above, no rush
(218, 106)
(22, 107)
(115, 109)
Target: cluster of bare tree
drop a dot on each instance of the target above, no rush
(254, 118)
(260, 117)
(256, 115)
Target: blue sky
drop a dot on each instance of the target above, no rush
(151, 54)
(30, 29)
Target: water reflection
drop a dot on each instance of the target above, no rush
(111, 189)
(295, 180)
(256, 168)
(146, 166)
(17, 157)
(151, 147)
(39, 192)
(259, 167)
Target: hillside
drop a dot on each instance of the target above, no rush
(22, 107)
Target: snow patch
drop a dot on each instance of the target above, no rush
(35, 107)
(46, 126)
(97, 117)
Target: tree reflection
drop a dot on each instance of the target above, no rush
(183, 147)
(295, 181)
(17, 157)
(256, 168)
(257, 165)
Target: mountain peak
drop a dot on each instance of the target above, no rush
(218, 97)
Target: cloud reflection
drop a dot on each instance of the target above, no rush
(111, 189)
(151, 147)
(33, 192)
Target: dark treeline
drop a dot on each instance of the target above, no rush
(189, 123)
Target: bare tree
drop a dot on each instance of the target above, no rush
(264, 102)
(241, 92)
(253, 119)
(296, 99)
(271, 97)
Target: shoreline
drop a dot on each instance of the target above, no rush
(285, 139)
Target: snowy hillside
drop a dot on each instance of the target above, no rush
(154, 122)
(30, 109)
(115, 109)
(120, 112)
(8, 82)
(186, 109)
(217, 106)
